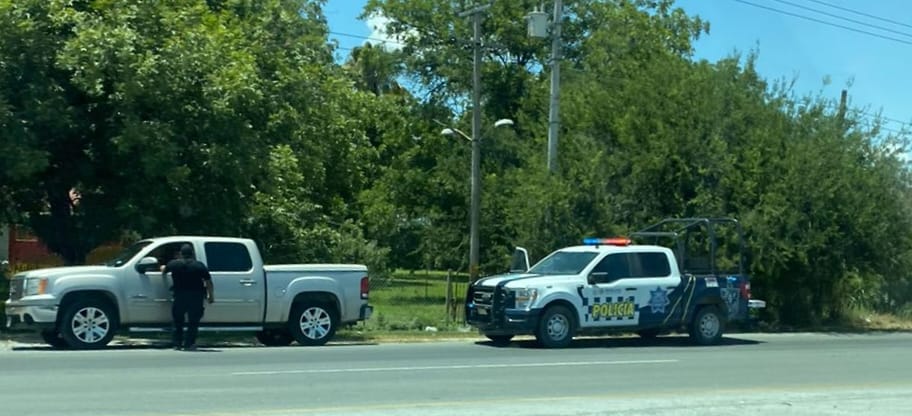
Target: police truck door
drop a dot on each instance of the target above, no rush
(610, 298)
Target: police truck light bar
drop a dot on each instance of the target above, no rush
(617, 241)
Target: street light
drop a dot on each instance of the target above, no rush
(475, 207)
(451, 131)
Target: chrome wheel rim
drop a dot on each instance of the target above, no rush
(558, 327)
(709, 325)
(315, 323)
(90, 325)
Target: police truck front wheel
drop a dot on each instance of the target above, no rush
(707, 326)
(555, 329)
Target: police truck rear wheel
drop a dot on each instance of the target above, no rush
(555, 329)
(707, 326)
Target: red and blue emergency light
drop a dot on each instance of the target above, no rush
(616, 241)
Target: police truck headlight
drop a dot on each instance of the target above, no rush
(525, 298)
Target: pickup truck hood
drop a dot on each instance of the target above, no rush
(523, 279)
(54, 272)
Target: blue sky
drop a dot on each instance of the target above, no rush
(875, 70)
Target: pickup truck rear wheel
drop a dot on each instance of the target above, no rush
(707, 326)
(312, 323)
(273, 338)
(87, 324)
(555, 329)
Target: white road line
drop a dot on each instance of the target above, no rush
(450, 367)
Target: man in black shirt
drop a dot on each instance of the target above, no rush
(192, 284)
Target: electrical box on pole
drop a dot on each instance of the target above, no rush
(538, 24)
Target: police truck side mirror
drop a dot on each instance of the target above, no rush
(597, 277)
(146, 263)
(520, 261)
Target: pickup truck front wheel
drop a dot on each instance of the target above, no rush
(312, 323)
(87, 324)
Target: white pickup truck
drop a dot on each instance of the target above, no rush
(83, 307)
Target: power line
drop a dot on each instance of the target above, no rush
(885, 29)
(800, 16)
(366, 38)
(845, 9)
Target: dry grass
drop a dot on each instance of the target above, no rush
(882, 322)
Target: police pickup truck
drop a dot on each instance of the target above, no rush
(614, 286)
(83, 307)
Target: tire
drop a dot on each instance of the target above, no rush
(707, 326)
(312, 324)
(87, 324)
(53, 338)
(273, 338)
(555, 329)
(500, 340)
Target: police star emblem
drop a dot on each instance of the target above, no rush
(658, 300)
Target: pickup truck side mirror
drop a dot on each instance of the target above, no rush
(146, 263)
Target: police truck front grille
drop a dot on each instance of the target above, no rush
(483, 296)
(16, 287)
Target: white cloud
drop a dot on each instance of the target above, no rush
(378, 24)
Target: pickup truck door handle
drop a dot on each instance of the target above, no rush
(248, 282)
(631, 289)
(139, 296)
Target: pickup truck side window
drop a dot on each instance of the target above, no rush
(167, 252)
(228, 257)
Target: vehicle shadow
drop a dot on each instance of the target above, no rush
(203, 347)
(677, 341)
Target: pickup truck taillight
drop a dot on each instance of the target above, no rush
(365, 287)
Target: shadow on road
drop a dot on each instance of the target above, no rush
(631, 342)
(204, 347)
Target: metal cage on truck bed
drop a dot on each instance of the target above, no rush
(682, 230)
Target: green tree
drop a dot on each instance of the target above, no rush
(159, 114)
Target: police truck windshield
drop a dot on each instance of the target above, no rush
(564, 262)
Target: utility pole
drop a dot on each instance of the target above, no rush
(553, 113)
(842, 109)
(475, 208)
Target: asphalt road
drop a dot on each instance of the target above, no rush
(795, 374)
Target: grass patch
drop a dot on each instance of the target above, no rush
(410, 303)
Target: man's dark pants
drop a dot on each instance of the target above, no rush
(191, 305)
